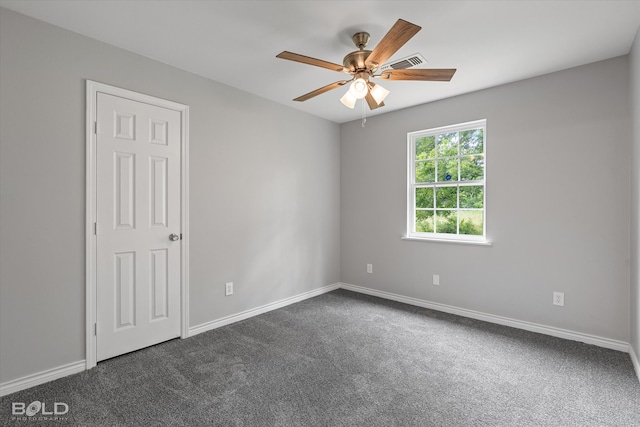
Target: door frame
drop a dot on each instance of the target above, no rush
(92, 90)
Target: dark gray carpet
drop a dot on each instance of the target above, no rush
(344, 359)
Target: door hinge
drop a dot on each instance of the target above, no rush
(95, 329)
(95, 228)
(180, 236)
(95, 127)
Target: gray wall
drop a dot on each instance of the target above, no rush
(557, 203)
(634, 60)
(273, 189)
(264, 191)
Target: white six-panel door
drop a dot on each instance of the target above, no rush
(137, 209)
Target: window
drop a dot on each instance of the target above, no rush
(446, 183)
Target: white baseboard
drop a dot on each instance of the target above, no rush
(635, 361)
(76, 367)
(32, 380)
(204, 327)
(506, 321)
(41, 377)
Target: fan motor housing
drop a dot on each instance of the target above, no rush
(355, 61)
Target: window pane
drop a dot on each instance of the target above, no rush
(447, 144)
(424, 221)
(447, 197)
(448, 170)
(446, 222)
(424, 197)
(472, 196)
(425, 148)
(472, 141)
(471, 222)
(471, 168)
(447, 177)
(426, 171)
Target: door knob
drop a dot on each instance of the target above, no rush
(173, 237)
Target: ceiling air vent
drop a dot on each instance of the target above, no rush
(411, 61)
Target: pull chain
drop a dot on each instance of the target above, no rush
(364, 113)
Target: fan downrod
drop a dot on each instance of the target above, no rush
(355, 61)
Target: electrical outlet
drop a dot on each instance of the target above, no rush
(436, 279)
(558, 298)
(228, 289)
(370, 268)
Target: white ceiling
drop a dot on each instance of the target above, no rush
(235, 42)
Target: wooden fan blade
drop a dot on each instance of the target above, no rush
(435, 74)
(397, 36)
(322, 90)
(311, 61)
(372, 102)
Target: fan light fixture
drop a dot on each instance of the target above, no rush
(379, 93)
(356, 92)
(359, 88)
(349, 100)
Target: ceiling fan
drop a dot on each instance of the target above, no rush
(362, 65)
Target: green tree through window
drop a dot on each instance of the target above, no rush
(447, 182)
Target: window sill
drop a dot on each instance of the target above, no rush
(461, 242)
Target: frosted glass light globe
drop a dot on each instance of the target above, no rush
(359, 88)
(348, 100)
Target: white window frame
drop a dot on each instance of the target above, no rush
(411, 234)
